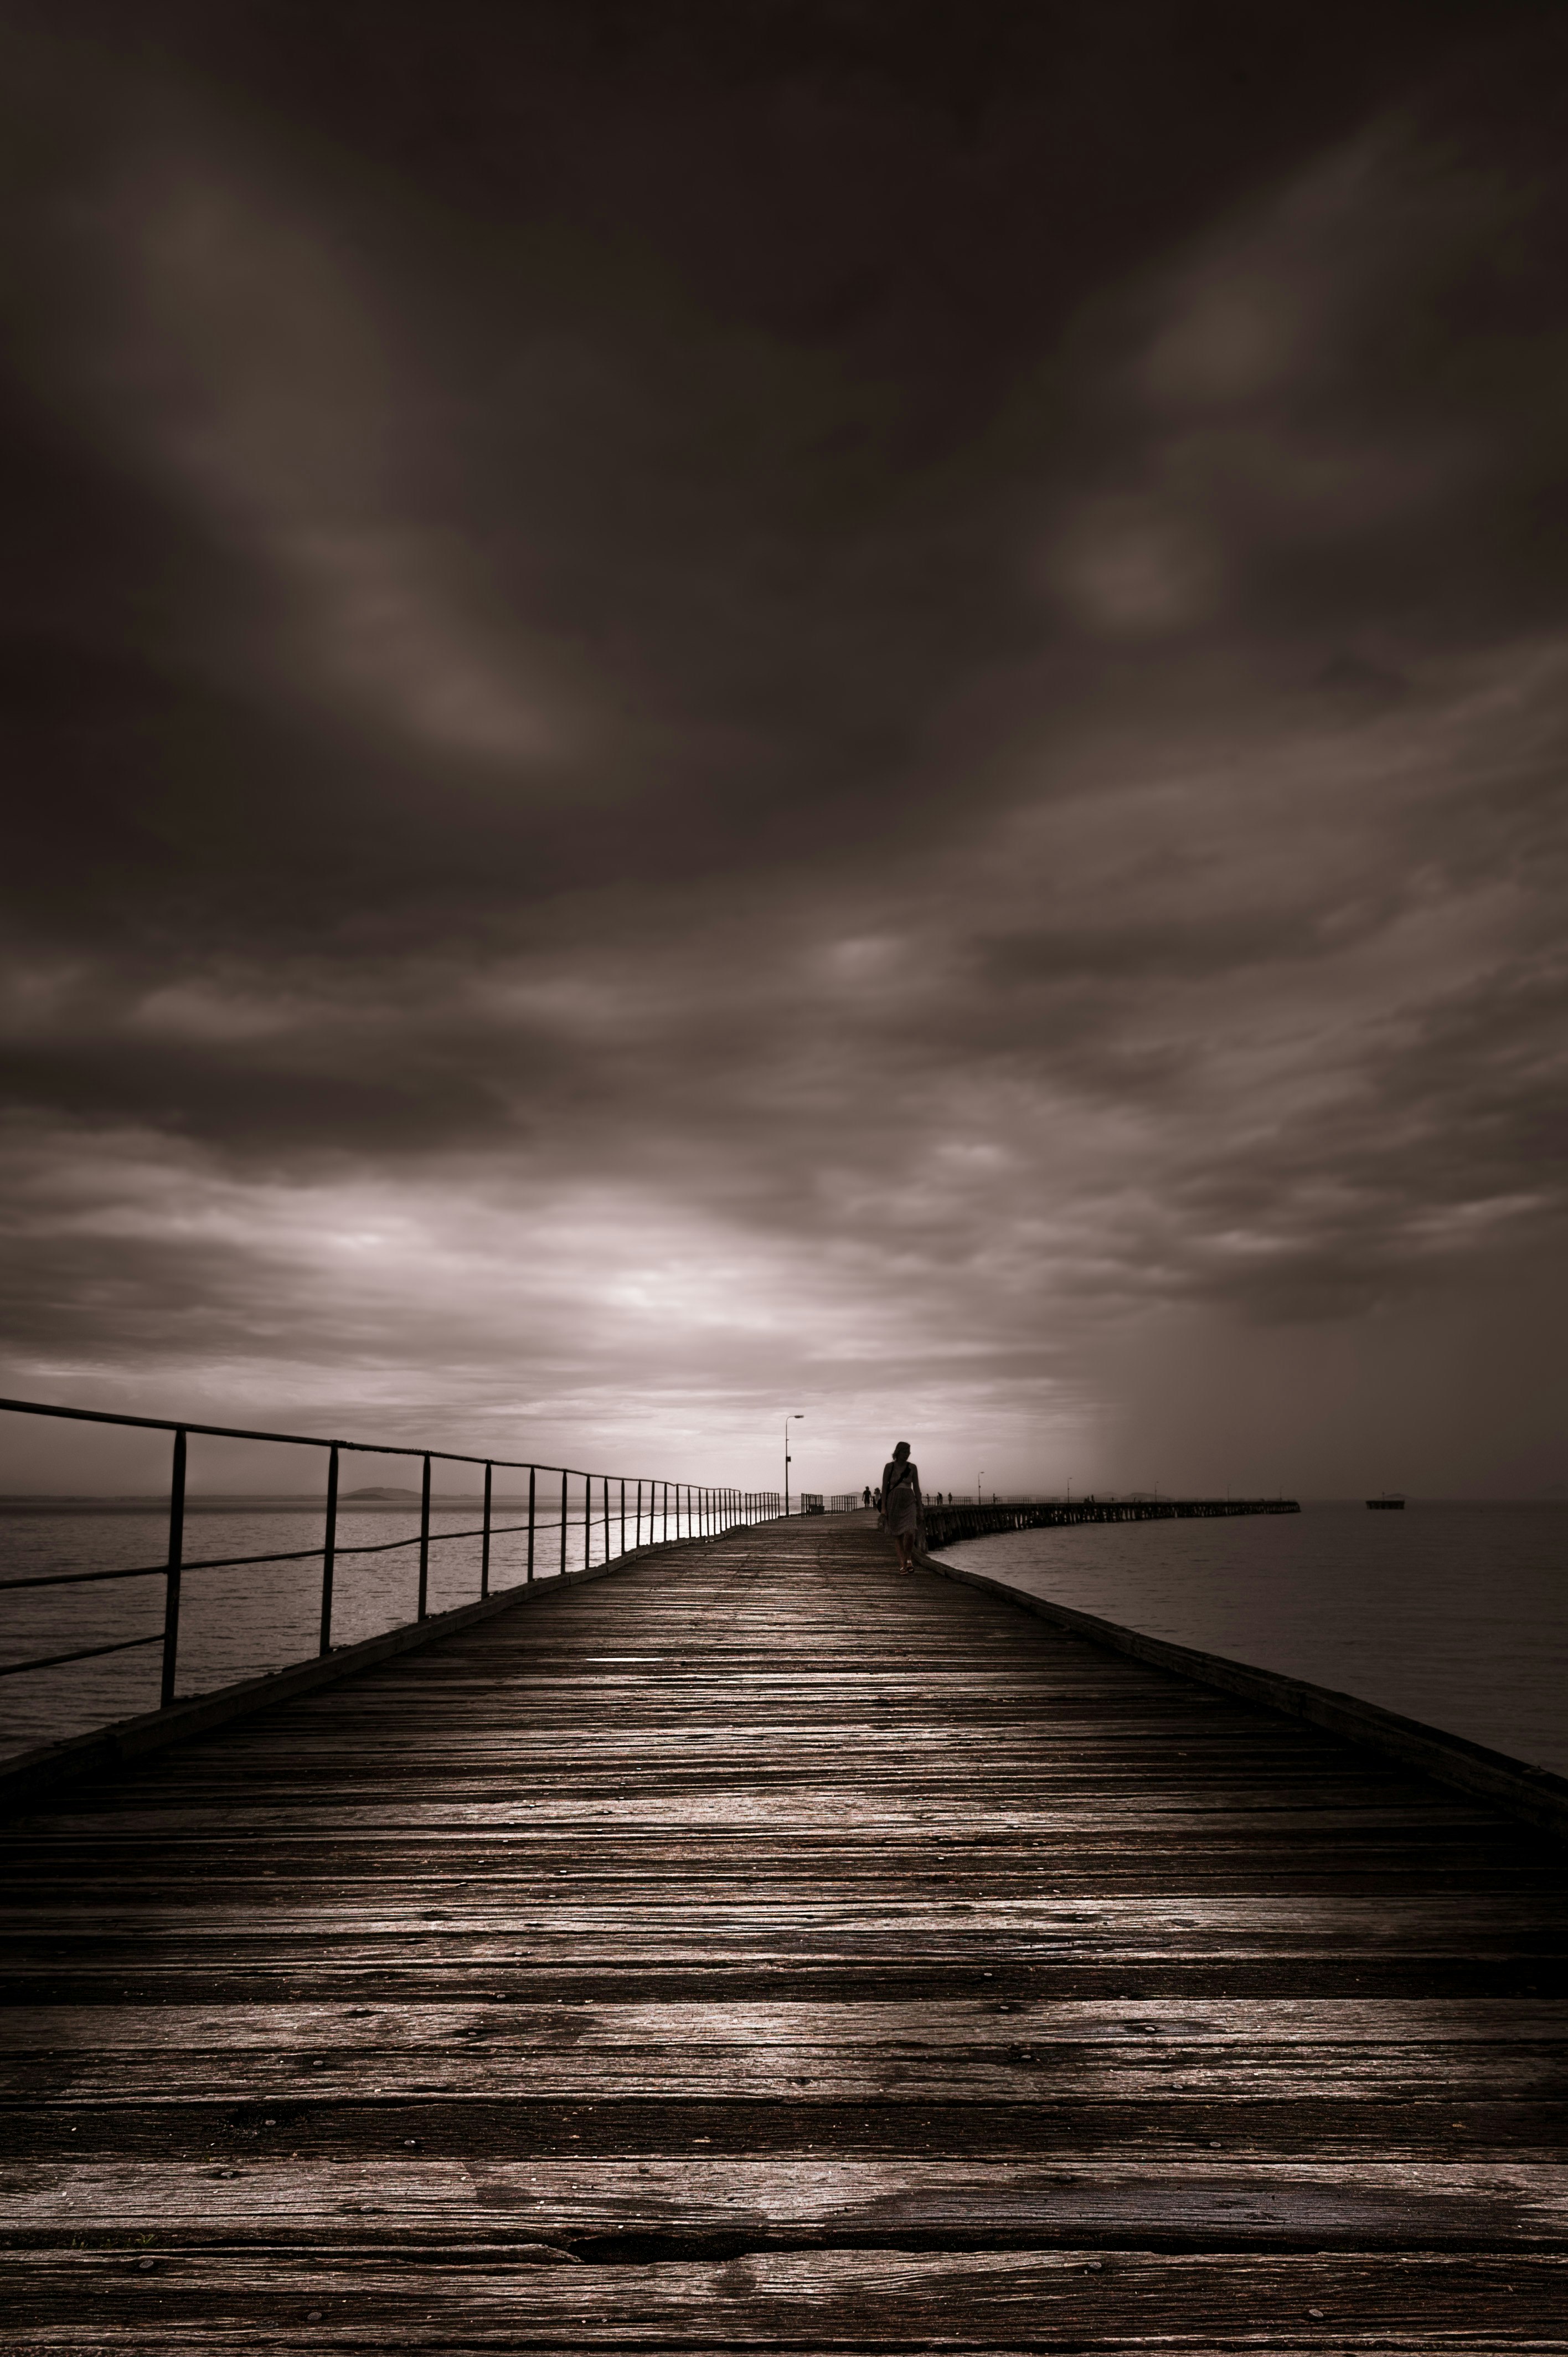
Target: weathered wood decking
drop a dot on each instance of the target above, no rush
(757, 1949)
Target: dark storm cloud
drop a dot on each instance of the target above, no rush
(697, 694)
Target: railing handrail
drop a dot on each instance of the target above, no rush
(705, 1508)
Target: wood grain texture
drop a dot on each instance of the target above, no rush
(757, 1950)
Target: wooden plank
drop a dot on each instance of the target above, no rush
(126, 1839)
(1262, 2025)
(701, 1926)
(1455, 2081)
(976, 2299)
(680, 2203)
(849, 2054)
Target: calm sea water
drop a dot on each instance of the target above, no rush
(1453, 1614)
(237, 1623)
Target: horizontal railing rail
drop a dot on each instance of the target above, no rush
(600, 1507)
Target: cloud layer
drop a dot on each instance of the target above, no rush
(714, 720)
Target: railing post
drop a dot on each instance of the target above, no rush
(606, 1479)
(485, 1550)
(563, 1521)
(329, 1551)
(587, 1521)
(623, 1514)
(176, 1557)
(533, 1476)
(425, 1543)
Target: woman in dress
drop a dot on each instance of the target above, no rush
(901, 1504)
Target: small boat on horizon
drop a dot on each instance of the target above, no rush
(1390, 1500)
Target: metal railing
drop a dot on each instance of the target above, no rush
(608, 1505)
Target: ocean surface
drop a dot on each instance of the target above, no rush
(240, 1623)
(1451, 1613)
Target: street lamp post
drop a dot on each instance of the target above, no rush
(789, 1420)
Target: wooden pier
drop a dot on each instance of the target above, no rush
(756, 1949)
(948, 1526)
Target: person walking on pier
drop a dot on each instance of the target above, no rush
(901, 1504)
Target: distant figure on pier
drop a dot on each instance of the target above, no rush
(866, 1494)
(901, 1502)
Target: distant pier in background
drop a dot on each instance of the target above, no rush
(947, 1526)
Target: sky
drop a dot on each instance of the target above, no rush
(789, 706)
